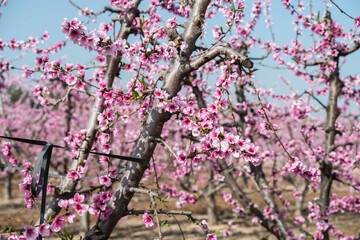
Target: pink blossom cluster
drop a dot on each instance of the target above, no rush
(40, 92)
(185, 198)
(236, 208)
(31, 43)
(286, 3)
(30, 233)
(182, 10)
(299, 109)
(5, 66)
(123, 4)
(6, 151)
(297, 167)
(75, 31)
(75, 203)
(100, 202)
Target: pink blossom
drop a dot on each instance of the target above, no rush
(79, 198)
(106, 214)
(13, 237)
(357, 22)
(73, 175)
(183, 46)
(182, 159)
(58, 223)
(299, 220)
(211, 236)
(105, 180)
(44, 230)
(171, 23)
(204, 226)
(80, 208)
(148, 220)
(216, 32)
(70, 79)
(63, 203)
(31, 233)
(70, 216)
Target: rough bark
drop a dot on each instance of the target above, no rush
(68, 129)
(332, 112)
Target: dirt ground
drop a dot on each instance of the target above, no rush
(14, 213)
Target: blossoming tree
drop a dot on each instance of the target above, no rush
(193, 108)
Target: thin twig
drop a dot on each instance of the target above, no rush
(167, 146)
(342, 11)
(177, 222)
(346, 183)
(156, 216)
(156, 177)
(312, 95)
(265, 114)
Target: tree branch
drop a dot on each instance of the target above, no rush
(221, 49)
(350, 50)
(159, 211)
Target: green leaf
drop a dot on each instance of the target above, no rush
(163, 200)
(217, 230)
(165, 223)
(5, 229)
(135, 93)
(52, 216)
(64, 235)
(318, 17)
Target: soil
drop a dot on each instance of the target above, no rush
(13, 212)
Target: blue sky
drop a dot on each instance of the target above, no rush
(23, 18)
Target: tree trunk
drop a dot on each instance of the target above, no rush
(260, 178)
(84, 223)
(332, 112)
(300, 202)
(211, 208)
(211, 201)
(8, 185)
